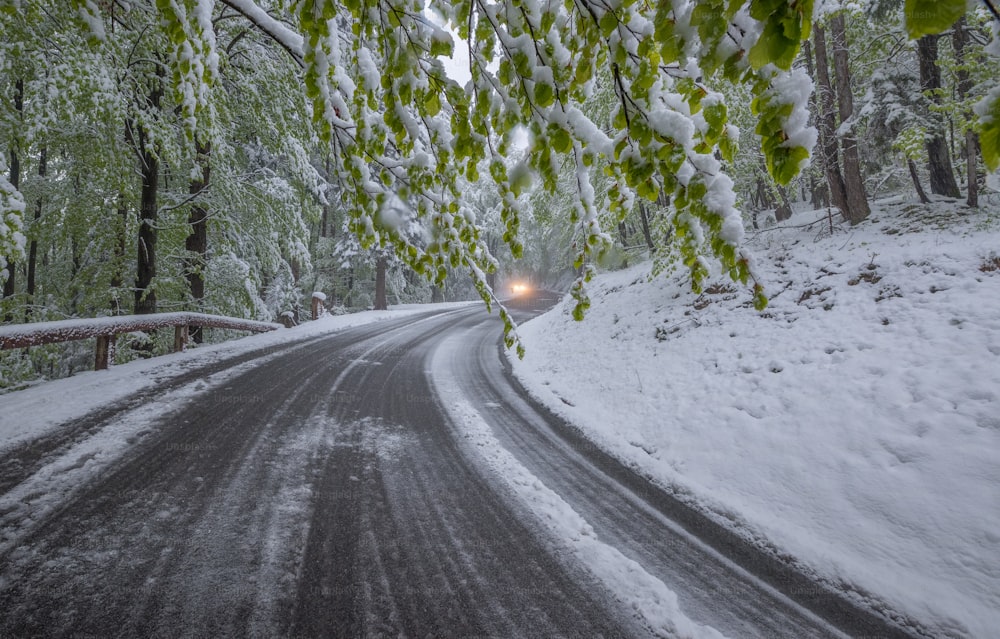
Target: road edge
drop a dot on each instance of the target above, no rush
(850, 614)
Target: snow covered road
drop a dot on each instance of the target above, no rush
(385, 480)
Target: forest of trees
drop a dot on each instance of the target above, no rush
(232, 156)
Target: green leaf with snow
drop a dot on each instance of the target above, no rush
(786, 26)
(608, 23)
(432, 103)
(442, 47)
(544, 94)
(989, 130)
(928, 17)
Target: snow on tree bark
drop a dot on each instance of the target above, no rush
(963, 88)
(10, 260)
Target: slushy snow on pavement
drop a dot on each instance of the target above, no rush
(32, 412)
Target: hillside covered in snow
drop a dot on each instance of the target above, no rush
(852, 427)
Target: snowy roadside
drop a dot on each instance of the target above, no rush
(854, 425)
(32, 412)
(654, 604)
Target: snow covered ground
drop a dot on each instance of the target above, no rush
(29, 413)
(853, 425)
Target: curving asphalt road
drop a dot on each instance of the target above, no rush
(326, 492)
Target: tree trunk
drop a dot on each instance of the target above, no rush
(818, 189)
(349, 298)
(972, 167)
(9, 285)
(296, 269)
(324, 221)
(818, 193)
(959, 40)
(916, 182)
(828, 125)
(197, 240)
(117, 277)
(381, 303)
(145, 295)
(644, 218)
(783, 212)
(33, 245)
(939, 159)
(854, 185)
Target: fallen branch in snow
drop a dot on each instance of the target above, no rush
(788, 226)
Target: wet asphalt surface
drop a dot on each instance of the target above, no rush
(325, 493)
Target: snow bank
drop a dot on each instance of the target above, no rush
(854, 425)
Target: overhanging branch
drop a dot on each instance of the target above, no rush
(287, 39)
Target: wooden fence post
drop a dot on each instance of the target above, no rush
(180, 337)
(102, 352)
(317, 304)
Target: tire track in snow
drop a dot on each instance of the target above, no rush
(648, 597)
(437, 552)
(218, 520)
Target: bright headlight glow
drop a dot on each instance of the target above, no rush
(519, 288)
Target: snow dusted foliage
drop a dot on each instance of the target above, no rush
(667, 127)
(196, 62)
(11, 221)
(402, 129)
(935, 16)
(402, 138)
(988, 110)
(90, 14)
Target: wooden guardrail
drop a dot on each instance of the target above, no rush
(107, 329)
